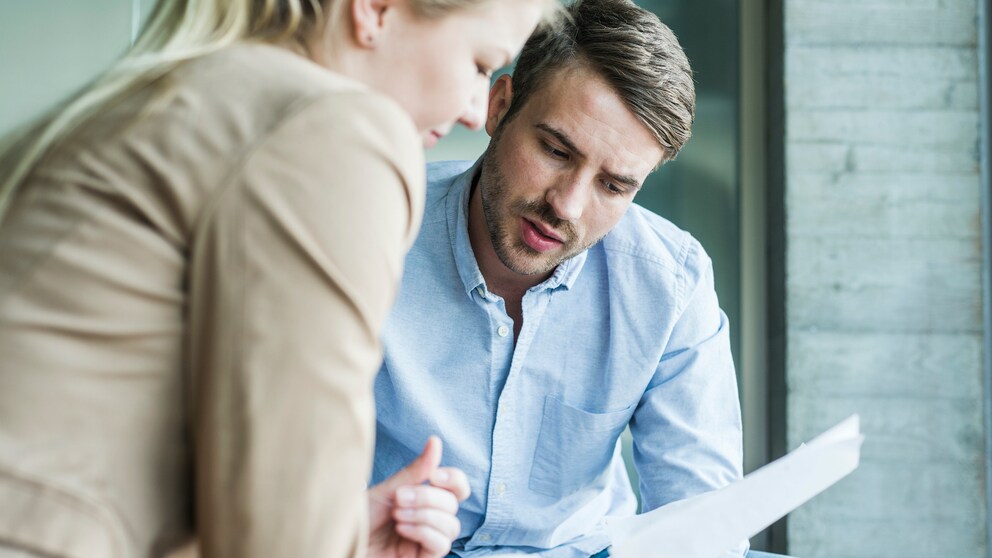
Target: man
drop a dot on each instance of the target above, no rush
(541, 313)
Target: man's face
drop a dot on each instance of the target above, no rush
(562, 172)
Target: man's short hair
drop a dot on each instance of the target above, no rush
(631, 50)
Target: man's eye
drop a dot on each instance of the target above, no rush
(484, 71)
(614, 189)
(556, 153)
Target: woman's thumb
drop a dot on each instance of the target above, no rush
(420, 470)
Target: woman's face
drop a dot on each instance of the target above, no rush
(439, 69)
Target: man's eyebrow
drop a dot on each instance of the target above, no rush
(560, 136)
(629, 181)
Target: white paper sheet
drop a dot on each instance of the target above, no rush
(708, 525)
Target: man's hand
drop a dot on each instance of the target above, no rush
(410, 519)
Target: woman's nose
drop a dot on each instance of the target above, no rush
(475, 115)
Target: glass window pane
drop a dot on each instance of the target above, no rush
(79, 40)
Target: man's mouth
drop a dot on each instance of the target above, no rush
(539, 237)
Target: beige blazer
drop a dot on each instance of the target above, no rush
(190, 298)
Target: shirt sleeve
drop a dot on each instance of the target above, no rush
(687, 427)
(293, 270)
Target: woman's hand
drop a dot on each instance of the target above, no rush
(410, 519)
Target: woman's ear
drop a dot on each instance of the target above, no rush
(500, 97)
(367, 18)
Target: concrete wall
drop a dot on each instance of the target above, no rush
(883, 271)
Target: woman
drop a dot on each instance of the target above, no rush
(196, 255)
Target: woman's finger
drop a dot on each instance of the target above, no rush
(444, 523)
(453, 480)
(433, 543)
(426, 496)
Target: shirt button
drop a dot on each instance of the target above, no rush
(503, 331)
(481, 292)
(500, 489)
(485, 537)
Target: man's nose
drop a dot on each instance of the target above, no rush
(568, 200)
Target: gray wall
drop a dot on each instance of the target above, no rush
(883, 273)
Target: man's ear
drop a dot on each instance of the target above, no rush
(367, 20)
(500, 97)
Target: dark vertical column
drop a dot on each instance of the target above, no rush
(775, 231)
(753, 326)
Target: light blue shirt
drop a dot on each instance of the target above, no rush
(627, 332)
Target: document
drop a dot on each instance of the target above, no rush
(708, 525)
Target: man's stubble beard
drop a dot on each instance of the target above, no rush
(515, 255)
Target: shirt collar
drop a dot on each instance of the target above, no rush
(458, 198)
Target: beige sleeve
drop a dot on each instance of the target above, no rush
(294, 269)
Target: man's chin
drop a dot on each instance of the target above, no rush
(522, 263)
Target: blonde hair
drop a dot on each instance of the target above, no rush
(178, 31)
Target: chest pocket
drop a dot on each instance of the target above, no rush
(574, 447)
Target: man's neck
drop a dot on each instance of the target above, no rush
(499, 279)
